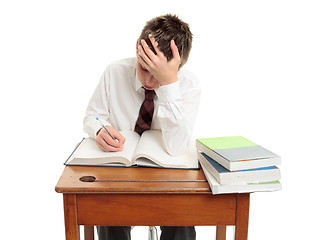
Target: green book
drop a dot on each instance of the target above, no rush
(237, 153)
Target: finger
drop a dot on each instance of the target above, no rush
(174, 49)
(110, 141)
(113, 149)
(123, 141)
(142, 62)
(100, 146)
(144, 56)
(104, 146)
(119, 137)
(109, 148)
(155, 45)
(148, 50)
(107, 138)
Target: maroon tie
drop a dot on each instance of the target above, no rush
(145, 115)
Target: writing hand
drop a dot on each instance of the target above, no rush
(106, 143)
(163, 70)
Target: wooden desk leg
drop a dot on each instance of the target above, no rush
(221, 232)
(242, 216)
(88, 232)
(72, 230)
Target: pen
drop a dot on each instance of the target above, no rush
(106, 129)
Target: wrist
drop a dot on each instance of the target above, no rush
(168, 80)
(98, 132)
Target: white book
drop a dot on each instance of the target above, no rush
(239, 188)
(224, 176)
(145, 150)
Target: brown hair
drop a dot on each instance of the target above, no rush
(164, 29)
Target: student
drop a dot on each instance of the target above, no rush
(151, 91)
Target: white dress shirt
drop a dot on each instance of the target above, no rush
(119, 96)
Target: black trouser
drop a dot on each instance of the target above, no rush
(168, 233)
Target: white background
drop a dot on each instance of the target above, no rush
(260, 64)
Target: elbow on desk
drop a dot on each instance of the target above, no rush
(176, 149)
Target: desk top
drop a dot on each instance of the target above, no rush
(81, 179)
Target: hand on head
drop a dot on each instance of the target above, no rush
(157, 64)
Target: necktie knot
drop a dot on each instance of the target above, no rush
(149, 94)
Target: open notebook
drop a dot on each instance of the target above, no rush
(146, 150)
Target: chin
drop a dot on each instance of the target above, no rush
(155, 86)
(148, 88)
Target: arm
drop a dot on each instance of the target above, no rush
(99, 107)
(178, 101)
(177, 113)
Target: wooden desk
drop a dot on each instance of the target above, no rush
(147, 197)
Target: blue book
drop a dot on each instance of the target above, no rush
(224, 176)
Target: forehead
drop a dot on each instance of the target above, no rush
(140, 66)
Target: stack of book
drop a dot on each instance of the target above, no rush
(235, 164)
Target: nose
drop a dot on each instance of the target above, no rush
(150, 81)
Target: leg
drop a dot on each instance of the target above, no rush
(114, 233)
(242, 216)
(72, 231)
(221, 232)
(88, 233)
(178, 233)
(153, 233)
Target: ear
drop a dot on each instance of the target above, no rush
(136, 45)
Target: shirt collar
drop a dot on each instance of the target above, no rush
(138, 83)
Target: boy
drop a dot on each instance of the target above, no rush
(171, 98)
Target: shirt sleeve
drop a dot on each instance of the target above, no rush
(98, 107)
(177, 110)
